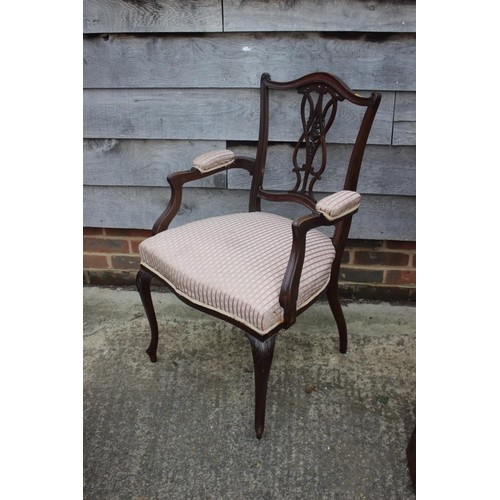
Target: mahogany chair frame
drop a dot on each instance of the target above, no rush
(316, 126)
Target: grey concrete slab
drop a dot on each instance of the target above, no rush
(337, 426)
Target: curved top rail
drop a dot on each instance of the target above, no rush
(321, 78)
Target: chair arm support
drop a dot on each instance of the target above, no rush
(337, 205)
(178, 179)
(291, 280)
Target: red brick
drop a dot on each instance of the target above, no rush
(128, 233)
(401, 245)
(95, 262)
(385, 293)
(134, 246)
(345, 257)
(121, 278)
(105, 245)
(116, 232)
(93, 231)
(141, 233)
(372, 244)
(125, 262)
(380, 258)
(394, 277)
(361, 275)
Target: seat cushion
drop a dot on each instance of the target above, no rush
(234, 264)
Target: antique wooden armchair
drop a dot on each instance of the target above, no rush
(254, 269)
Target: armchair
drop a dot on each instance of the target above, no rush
(257, 270)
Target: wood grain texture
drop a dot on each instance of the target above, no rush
(148, 16)
(405, 115)
(405, 133)
(112, 162)
(379, 217)
(385, 169)
(320, 15)
(405, 107)
(213, 114)
(237, 60)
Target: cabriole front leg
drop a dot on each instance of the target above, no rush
(143, 283)
(262, 353)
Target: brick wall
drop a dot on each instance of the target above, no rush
(375, 270)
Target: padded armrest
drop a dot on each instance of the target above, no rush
(213, 160)
(337, 205)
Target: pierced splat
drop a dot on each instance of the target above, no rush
(318, 110)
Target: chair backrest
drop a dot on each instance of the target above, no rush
(321, 95)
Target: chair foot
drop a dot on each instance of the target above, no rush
(152, 354)
(262, 353)
(338, 314)
(143, 283)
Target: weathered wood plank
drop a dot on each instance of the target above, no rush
(112, 162)
(405, 107)
(237, 60)
(405, 133)
(379, 217)
(139, 207)
(139, 16)
(405, 115)
(385, 169)
(319, 15)
(212, 114)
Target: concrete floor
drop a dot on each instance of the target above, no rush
(337, 426)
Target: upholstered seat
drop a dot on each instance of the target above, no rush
(235, 264)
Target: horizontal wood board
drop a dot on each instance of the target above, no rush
(379, 217)
(405, 107)
(238, 60)
(121, 16)
(320, 15)
(136, 16)
(385, 169)
(109, 162)
(112, 162)
(214, 114)
(405, 133)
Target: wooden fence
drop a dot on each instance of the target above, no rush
(167, 80)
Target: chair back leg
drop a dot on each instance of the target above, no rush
(338, 314)
(339, 242)
(143, 283)
(262, 352)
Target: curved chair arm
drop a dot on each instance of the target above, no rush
(204, 168)
(336, 209)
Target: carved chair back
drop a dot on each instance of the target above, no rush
(321, 95)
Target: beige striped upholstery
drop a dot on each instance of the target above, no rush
(213, 160)
(235, 264)
(338, 204)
